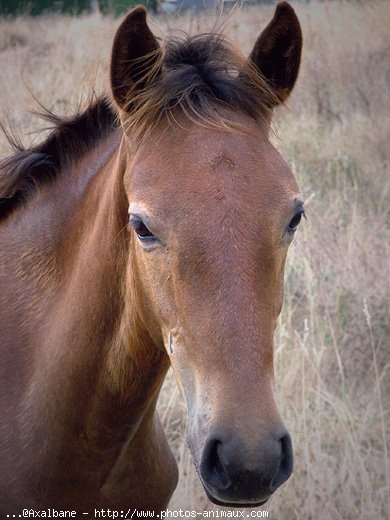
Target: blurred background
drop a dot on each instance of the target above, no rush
(115, 7)
(332, 342)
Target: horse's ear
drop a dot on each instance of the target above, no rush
(277, 51)
(135, 54)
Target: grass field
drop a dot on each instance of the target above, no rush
(332, 343)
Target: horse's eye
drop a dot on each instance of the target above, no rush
(294, 222)
(139, 227)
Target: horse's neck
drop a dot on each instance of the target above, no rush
(97, 371)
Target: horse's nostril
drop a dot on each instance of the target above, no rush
(219, 466)
(213, 468)
(286, 462)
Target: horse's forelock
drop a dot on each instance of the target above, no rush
(194, 75)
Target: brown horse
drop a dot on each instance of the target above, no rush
(144, 232)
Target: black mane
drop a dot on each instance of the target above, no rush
(28, 168)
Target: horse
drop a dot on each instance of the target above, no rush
(149, 230)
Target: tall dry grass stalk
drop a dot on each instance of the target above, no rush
(333, 339)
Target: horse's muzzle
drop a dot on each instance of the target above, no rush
(235, 476)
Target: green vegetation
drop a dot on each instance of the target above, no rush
(73, 7)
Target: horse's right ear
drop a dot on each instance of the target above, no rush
(135, 54)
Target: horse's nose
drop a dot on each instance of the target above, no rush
(234, 475)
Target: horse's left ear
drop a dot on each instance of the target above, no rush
(134, 56)
(277, 51)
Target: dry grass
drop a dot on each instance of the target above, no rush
(331, 366)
